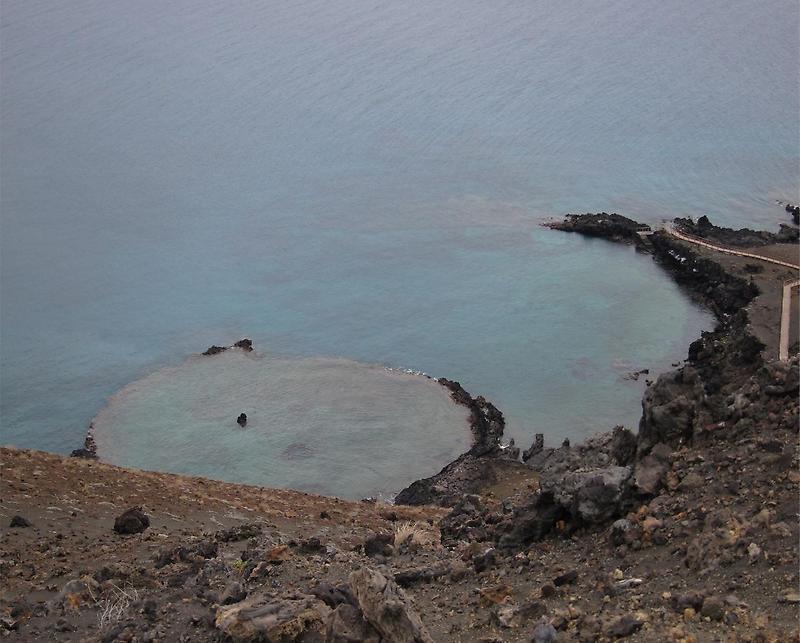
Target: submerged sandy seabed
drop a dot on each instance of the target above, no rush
(324, 425)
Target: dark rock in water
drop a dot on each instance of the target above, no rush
(242, 419)
(245, 344)
(215, 350)
(608, 226)
(19, 521)
(729, 237)
(132, 521)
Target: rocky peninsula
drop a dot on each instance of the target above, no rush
(685, 531)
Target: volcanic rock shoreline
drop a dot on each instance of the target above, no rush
(670, 405)
(685, 532)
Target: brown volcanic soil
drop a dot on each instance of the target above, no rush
(726, 529)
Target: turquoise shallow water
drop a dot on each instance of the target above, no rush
(364, 180)
(336, 441)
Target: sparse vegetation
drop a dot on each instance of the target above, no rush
(416, 534)
(115, 604)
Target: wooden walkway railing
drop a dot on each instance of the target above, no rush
(786, 300)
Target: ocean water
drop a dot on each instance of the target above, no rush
(364, 180)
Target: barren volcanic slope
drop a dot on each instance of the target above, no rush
(686, 532)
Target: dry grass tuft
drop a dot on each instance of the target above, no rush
(416, 534)
(112, 607)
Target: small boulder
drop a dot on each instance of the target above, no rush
(379, 544)
(245, 344)
(713, 608)
(347, 625)
(544, 632)
(233, 593)
(132, 521)
(387, 608)
(624, 627)
(265, 617)
(242, 419)
(19, 521)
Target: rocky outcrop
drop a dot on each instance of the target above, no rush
(267, 617)
(614, 227)
(486, 420)
(466, 474)
(89, 449)
(471, 471)
(215, 350)
(371, 608)
(744, 237)
(724, 293)
(244, 344)
(794, 210)
(386, 607)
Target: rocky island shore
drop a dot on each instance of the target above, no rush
(686, 531)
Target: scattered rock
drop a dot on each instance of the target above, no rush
(566, 578)
(379, 544)
(245, 344)
(266, 617)
(713, 608)
(19, 521)
(386, 608)
(233, 593)
(348, 625)
(544, 632)
(495, 594)
(624, 627)
(132, 521)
